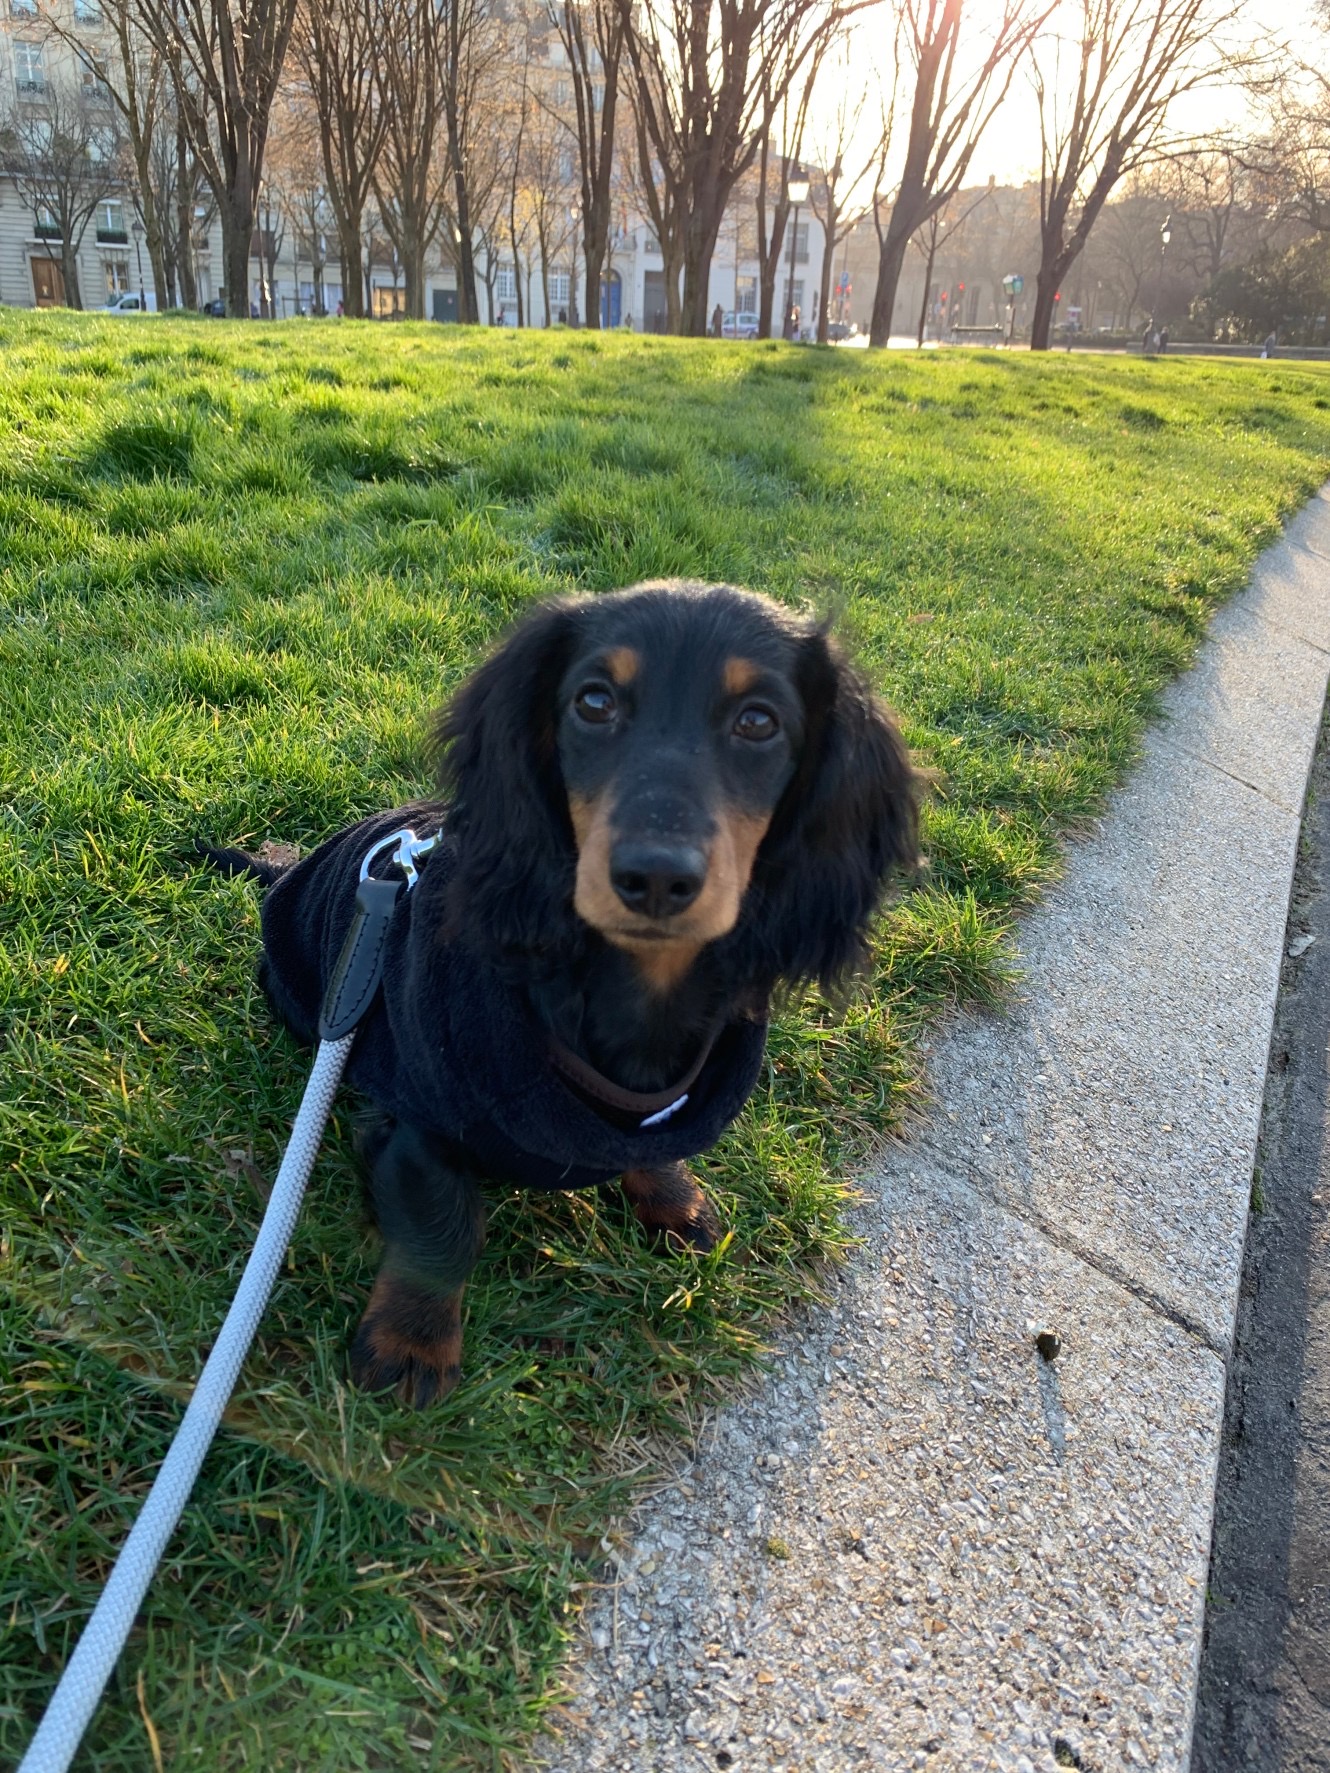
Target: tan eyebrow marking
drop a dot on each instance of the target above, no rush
(624, 664)
(739, 675)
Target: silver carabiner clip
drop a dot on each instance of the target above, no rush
(406, 847)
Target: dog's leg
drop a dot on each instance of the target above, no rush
(669, 1200)
(430, 1212)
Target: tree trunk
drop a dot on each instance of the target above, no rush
(413, 276)
(468, 302)
(828, 255)
(184, 221)
(542, 241)
(353, 284)
(769, 271)
(237, 234)
(69, 270)
(928, 286)
(891, 262)
(594, 253)
(699, 246)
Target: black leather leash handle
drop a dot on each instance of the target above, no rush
(359, 967)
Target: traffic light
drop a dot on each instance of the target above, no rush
(960, 289)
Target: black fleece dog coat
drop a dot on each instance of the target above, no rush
(451, 1046)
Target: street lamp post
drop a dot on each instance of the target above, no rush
(797, 191)
(137, 232)
(1165, 235)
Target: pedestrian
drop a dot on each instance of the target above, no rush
(1163, 339)
(340, 308)
(1149, 336)
(1268, 348)
(717, 320)
(563, 316)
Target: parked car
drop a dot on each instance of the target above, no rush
(130, 302)
(739, 326)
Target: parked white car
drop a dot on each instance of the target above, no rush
(128, 303)
(739, 326)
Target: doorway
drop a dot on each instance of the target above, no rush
(48, 283)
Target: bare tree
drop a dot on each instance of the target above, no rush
(62, 148)
(1104, 98)
(547, 193)
(269, 234)
(225, 58)
(521, 216)
(783, 124)
(335, 44)
(960, 80)
(411, 177)
(840, 196)
(592, 34)
(475, 43)
(138, 87)
(659, 185)
(935, 236)
(708, 76)
(295, 179)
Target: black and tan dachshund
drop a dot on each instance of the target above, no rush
(657, 807)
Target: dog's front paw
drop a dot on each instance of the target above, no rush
(409, 1342)
(668, 1200)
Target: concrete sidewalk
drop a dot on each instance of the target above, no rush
(920, 1544)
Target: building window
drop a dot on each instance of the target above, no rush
(111, 220)
(95, 86)
(797, 251)
(22, 8)
(746, 295)
(117, 277)
(505, 284)
(561, 92)
(388, 304)
(28, 69)
(87, 12)
(47, 228)
(567, 166)
(651, 244)
(559, 286)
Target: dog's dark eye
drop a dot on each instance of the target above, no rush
(756, 723)
(595, 704)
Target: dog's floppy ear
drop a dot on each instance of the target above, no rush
(849, 816)
(498, 763)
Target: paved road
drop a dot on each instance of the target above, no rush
(1264, 1701)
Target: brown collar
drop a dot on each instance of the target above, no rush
(601, 1089)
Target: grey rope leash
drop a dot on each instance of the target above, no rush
(350, 992)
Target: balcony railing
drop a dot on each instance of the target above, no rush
(31, 85)
(47, 231)
(112, 237)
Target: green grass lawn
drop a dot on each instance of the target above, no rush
(238, 566)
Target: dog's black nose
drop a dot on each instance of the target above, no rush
(657, 880)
